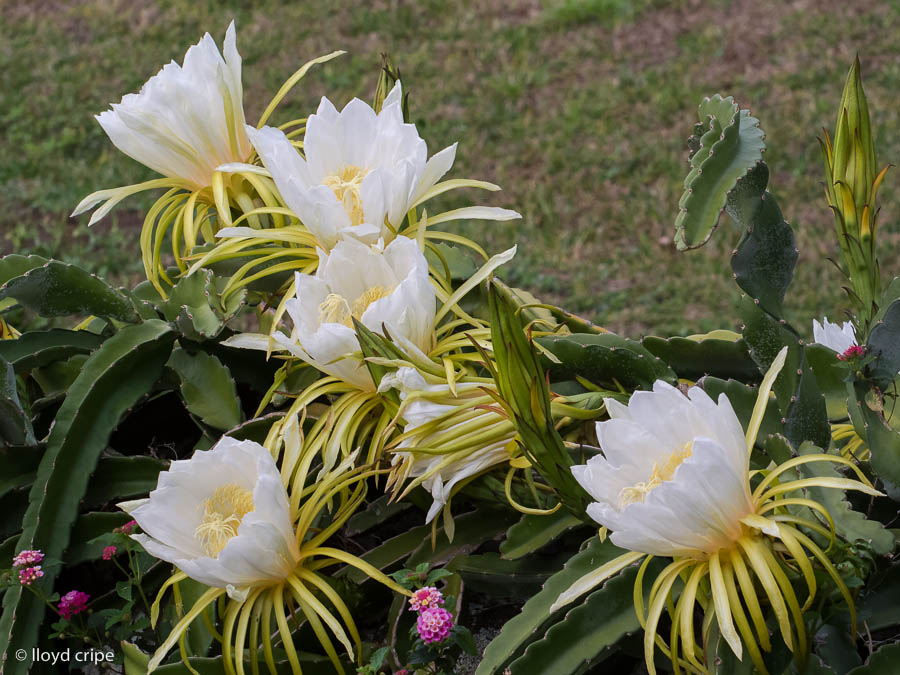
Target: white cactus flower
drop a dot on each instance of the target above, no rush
(444, 470)
(385, 289)
(186, 120)
(674, 480)
(222, 517)
(362, 172)
(838, 337)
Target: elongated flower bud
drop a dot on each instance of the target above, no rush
(851, 185)
(852, 167)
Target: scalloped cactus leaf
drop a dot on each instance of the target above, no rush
(604, 359)
(533, 532)
(588, 633)
(693, 359)
(60, 289)
(883, 662)
(42, 347)
(195, 305)
(802, 405)
(763, 263)
(884, 345)
(15, 265)
(113, 378)
(15, 422)
(731, 145)
(882, 440)
(525, 627)
(830, 375)
(207, 388)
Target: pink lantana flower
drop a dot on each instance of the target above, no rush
(109, 552)
(27, 557)
(72, 603)
(30, 574)
(434, 625)
(425, 598)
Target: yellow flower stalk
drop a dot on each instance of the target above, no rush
(231, 519)
(675, 482)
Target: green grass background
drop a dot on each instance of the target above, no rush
(578, 108)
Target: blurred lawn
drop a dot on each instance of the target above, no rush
(579, 109)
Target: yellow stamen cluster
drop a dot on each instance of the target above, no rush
(336, 309)
(346, 184)
(222, 515)
(660, 474)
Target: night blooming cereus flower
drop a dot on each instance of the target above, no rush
(385, 290)
(361, 172)
(231, 519)
(72, 603)
(460, 438)
(836, 337)
(186, 123)
(221, 517)
(675, 482)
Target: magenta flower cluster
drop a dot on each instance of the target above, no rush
(72, 603)
(30, 571)
(27, 557)
(109, 552)
(434, 625)
(852, 352)
(29, 574)
(434, 622)
(425, 598)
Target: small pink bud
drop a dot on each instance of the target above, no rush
(852, 352)
(127, 528)
(109, 552)
(29, 574)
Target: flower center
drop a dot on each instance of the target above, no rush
(222, 515)
(661, 473)
(336, 309)
(346, 185)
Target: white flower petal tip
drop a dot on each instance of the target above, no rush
(361, 171)
(222, 517)
(838, 338)
(186, 120)
(241, 167)
(385, 290)
(674, 477)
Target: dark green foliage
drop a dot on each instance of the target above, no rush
(726, 144)
(692, 359)
(112, 380)
(60, 289)
(603, 359)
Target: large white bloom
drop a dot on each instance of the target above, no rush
(837, 337)
(222, 517)
(420, 412)
(675, 476)
(362, 170)
(384, 290)
(186, 120)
